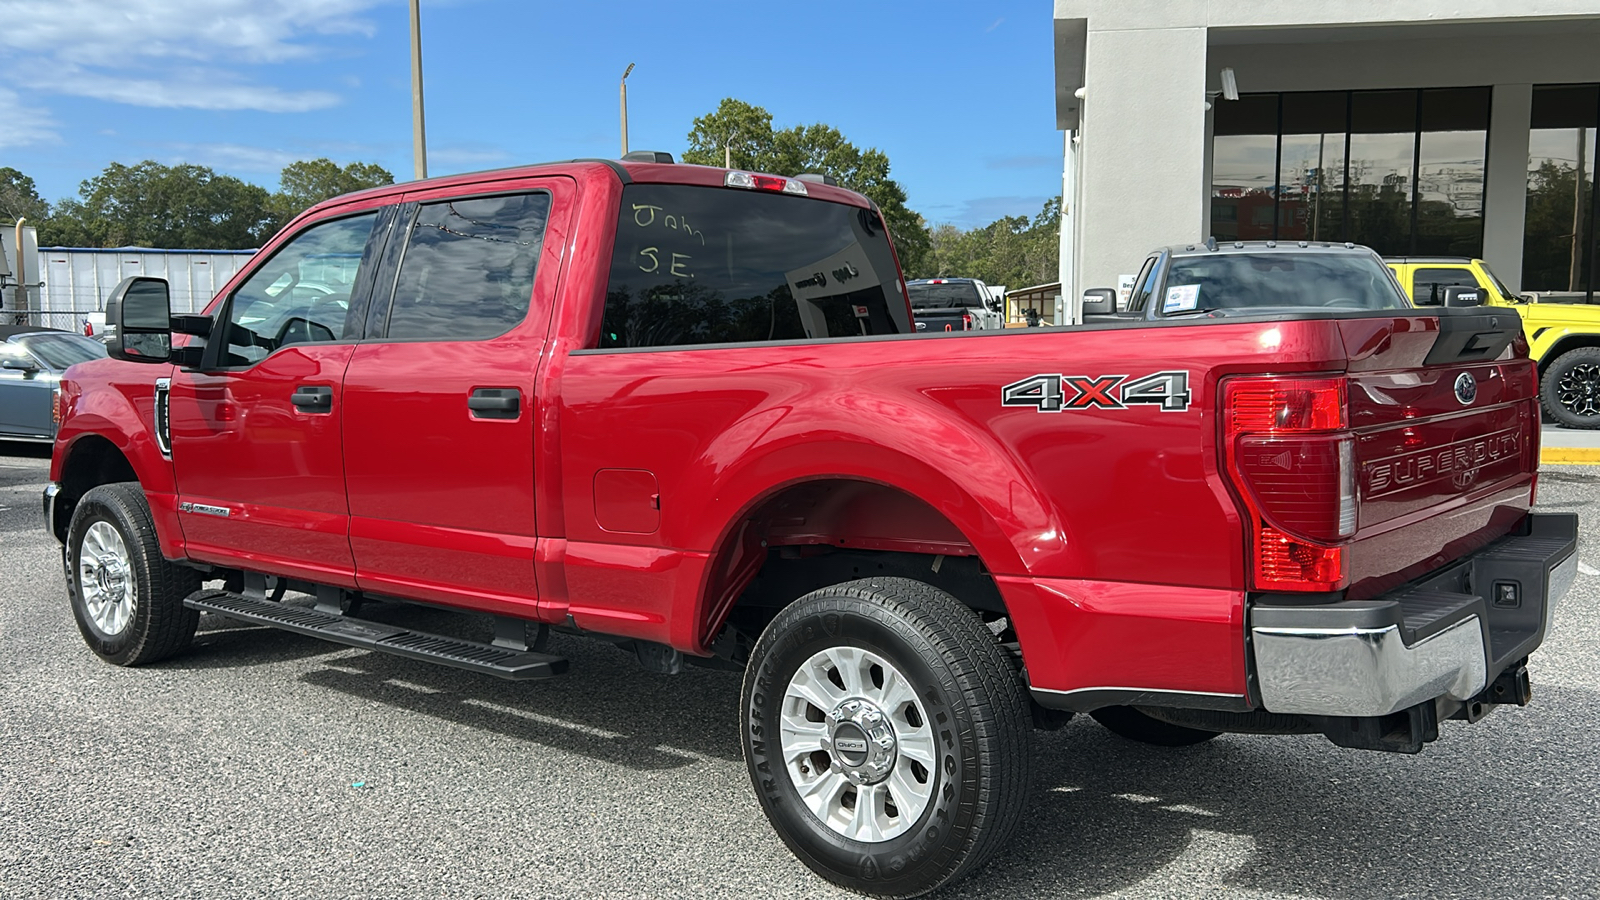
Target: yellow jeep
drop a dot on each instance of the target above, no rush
(1563, 338)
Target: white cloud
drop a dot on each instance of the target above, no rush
(192, 89)
(125, 50)
(233, 157)
(102, 32)
(24, 125)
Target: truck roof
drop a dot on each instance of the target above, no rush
(627, 171)
(1212, 245)
(1411, 260)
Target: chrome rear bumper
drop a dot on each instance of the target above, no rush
(1447, 636)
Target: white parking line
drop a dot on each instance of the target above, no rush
(1587, 569)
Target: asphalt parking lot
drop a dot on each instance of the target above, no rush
(264, 764)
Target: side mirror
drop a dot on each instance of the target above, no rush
(1460, 295)
(20, 365)
(1099, 302)
(139, 317)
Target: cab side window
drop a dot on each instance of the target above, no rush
(300, 295)
(469, 267)
(1427, 285)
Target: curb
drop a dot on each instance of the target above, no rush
(1568, 455)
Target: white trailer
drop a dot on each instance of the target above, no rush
(77, 279)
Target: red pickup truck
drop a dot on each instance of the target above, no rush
(685, 409)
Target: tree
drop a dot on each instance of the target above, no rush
(744, 132)
(20, 199)
(306, 183)
(152, 205)
(1013, 250)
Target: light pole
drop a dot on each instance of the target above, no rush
(624, 86)
(419, 144)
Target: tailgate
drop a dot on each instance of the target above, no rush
(1445, 413)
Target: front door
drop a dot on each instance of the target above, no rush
(439, 402)
(257, 445)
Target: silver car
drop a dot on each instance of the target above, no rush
(31, 362)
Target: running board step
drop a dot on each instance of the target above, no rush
(516, 665)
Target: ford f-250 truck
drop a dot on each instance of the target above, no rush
(614, 398)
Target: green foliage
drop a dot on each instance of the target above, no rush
(745, 133)
(181, 207)
(1012, 251)
(152, 205)
(20, 199)
(309, 182)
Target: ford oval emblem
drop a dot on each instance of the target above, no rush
(1466, 388)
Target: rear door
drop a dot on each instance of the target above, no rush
(256, 442)
(25, 395)
(440, 409)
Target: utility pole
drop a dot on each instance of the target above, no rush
(419, 143)
(624, 86)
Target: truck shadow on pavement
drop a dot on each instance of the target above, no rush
(1484, 812)
(606, 708)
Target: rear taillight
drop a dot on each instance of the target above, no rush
(1292, 457)
(56, 412)
(966, 321)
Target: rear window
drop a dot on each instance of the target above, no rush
(961, 295)
(706, 265)
(1266, 280)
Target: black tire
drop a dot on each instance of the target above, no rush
(976, 726)
(1570, 390)
(1125, 721)
(159, 624)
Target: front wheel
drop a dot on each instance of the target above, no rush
(1571, 388)
(127, 599)
(887, 735)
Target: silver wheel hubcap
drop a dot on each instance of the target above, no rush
(105, 576)
(857, 745)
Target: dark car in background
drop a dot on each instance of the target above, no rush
(31, 362)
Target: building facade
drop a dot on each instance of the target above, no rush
(1418, 127)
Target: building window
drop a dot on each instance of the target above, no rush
(1560, 237)
(1400, 171)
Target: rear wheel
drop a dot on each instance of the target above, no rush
(1125, 721)
(1571, 388)
(887, 735)
(127, 599)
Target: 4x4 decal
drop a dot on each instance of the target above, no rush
(1167, 391)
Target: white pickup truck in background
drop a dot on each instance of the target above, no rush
(956, 304)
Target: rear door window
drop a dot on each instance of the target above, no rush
(708, 265)
(1427, 285)
(469, 267)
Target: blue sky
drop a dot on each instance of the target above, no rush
(959, 95)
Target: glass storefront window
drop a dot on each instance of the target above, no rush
(1311, 166)
(1559, 238)
(1243, 158)
(1401, 171)
(1383, 126)
(1450, 172)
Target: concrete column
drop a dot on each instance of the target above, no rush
(1143, 148)
(1067, 267)
(1505, 195)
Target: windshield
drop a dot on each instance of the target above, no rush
(926, 295)
(1265, 280)
(61, 350)
(709, 265)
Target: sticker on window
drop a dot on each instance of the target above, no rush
(1181, 297)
